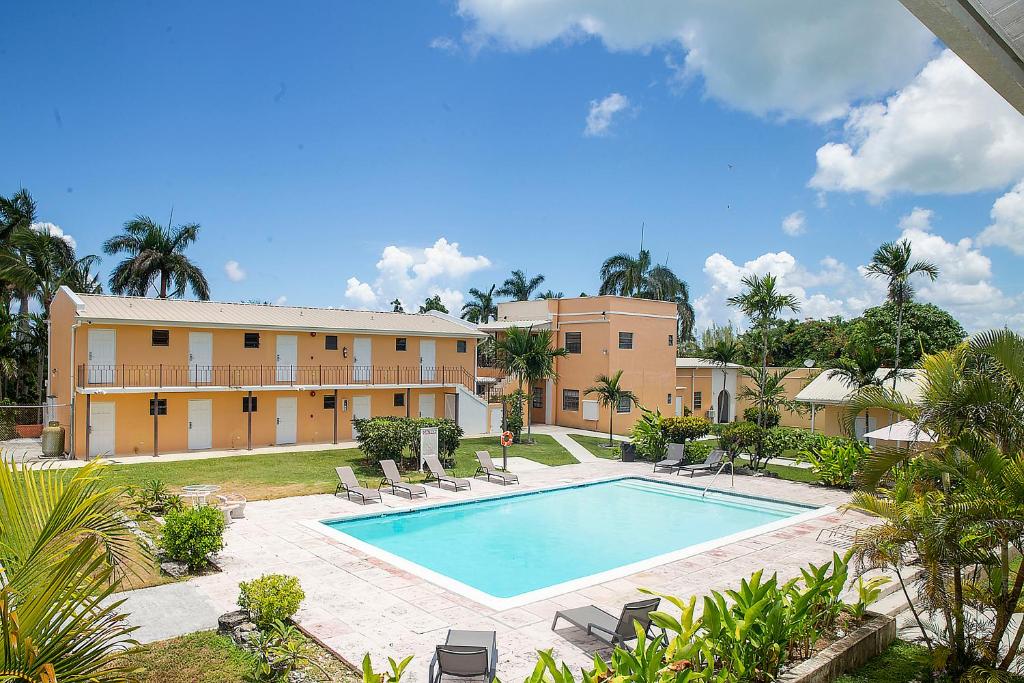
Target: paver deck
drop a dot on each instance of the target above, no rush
(357, 604)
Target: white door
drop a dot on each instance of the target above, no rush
(101, 429)
(360, 411)
(362, 360)
(495, 420)
(428, 358)
(200, 357)
(200, 424)
(287, 357)
(451, 404)
(426, 405)
(286, 409)
(679, 406)
(102, 357)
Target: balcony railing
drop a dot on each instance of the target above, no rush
(160, 376)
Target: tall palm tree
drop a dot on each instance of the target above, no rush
(396, 306)
(892, 262)
(550, 294)
(518, 288)
(529, 356)
(610, 393)
(767, 391)
(17, 215)
(12, 345)
(39, 264)
(858, 369)
(627, 275)
(481, 307)
(723, 353)
(156, 254)
(63, 540)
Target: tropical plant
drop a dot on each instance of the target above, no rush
(529, 356)
(190, 535)
(550, 294)
(389, 438)
(627, 275)
(892, 262)
(925, 329)
(738, 437)
(648, 436)
(859, 369)
(433, 303)
(281, 649)
(868, 593)
(481, 306)
(396, 306)
(835, 461)
(518, 288)
(610, 394)
(761, 301)
(37, 264)
(684, 429)
(769, 396)
(723, 354)
(270, 598)
(393, 675)
(64, 543)
(155, 498)
(156, 254)
(766, 418)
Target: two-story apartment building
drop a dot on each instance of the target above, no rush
(142, 376)
(602, 334)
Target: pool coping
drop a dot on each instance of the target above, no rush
(499, 603)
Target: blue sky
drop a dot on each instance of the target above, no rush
(336, 152)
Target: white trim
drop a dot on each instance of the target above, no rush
(631, 313)
(75, 299)
(552, 591)
(257, 388)
(91, 320)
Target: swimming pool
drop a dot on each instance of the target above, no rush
(516, 548)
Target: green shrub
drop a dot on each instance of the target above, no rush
(191, 534)
(270, 598)
(771, 417)
(7, 420)
(648, 436)
(835, 461)
(778, 440)
(448, 435)
(739, 437)
(514, 414)
(698, 451)
(684, 429)
(390, 438)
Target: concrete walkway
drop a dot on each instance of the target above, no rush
(575, 450)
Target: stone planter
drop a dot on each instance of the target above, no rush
(847, 654)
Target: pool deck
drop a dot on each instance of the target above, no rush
(356, 603)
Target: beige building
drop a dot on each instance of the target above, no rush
(707, 389)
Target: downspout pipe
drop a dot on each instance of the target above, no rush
(73, 396)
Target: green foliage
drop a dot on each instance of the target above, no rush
(448, 435)
(835, 460)
(154, 498)
(390, 438)
(698, 451)
(648, 435)
(778, 440)
(867, 593)
(433, 303)
(280, 649)
(392, 675)
(738, 437)
(514, 414)
(684, 429)
(7, 420)
(191, 534)
(771, 417)
(271, 598)
(926, 329)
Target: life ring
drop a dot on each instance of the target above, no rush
(506, 438)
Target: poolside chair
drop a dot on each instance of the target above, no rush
(614, 631)
(487, 468)
(350, 485)
(674, 458)
(393, 479)
(466, 654)
(442, 477)
(712, 462)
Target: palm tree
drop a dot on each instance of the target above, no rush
(767, 392)
(610, 394)
(891, 262)
(63, 540)
(39, 264)
(550, 294)
(396, 306)
(481, 307)
(17, 215)
(156, 254)
(528, 356)
(858, 369)
(433, 303)
(627, 275)
(518, 288)
(723, 353)
(12, 345)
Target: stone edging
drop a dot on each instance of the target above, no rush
(846, 654)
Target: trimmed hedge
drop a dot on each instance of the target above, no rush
(684, 429)
(395, 438)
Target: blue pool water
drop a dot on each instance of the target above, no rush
(514, 544)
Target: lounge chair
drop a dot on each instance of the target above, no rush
(712, 462)
(674, 458)
(350, 485)
(614, 631)
(393, 479)
(487, 468)
(466, 654)
(442, 477)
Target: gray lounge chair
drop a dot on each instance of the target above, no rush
(712, 462)
(437, 472)
(393, 479)
(466, 654)
(614, 631)
(350, 485)
(487, 468)
(674, 458)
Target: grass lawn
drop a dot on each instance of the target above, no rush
(801, 474)
(598, 445)
(901, 662)
(279, 475)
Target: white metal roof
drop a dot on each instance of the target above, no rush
(181, 312)
(690, 362)
(829, 388)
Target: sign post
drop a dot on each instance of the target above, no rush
(504, 428)
(428, 443)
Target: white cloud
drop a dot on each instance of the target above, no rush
(1007, 227)
(795, 224)
(281, 300)
(234, 271)
(56, 232)
(946, 131)
(792, 58)
(602, 113)
(444, 44)
(412, 274)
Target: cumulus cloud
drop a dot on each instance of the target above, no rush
(234, 271)
(412, 274)
(758, 58)
(444, 44)
(795, 224)
(55, 230)
(602, 113)
(946, 131)
(281, 300)
(1007, 227)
